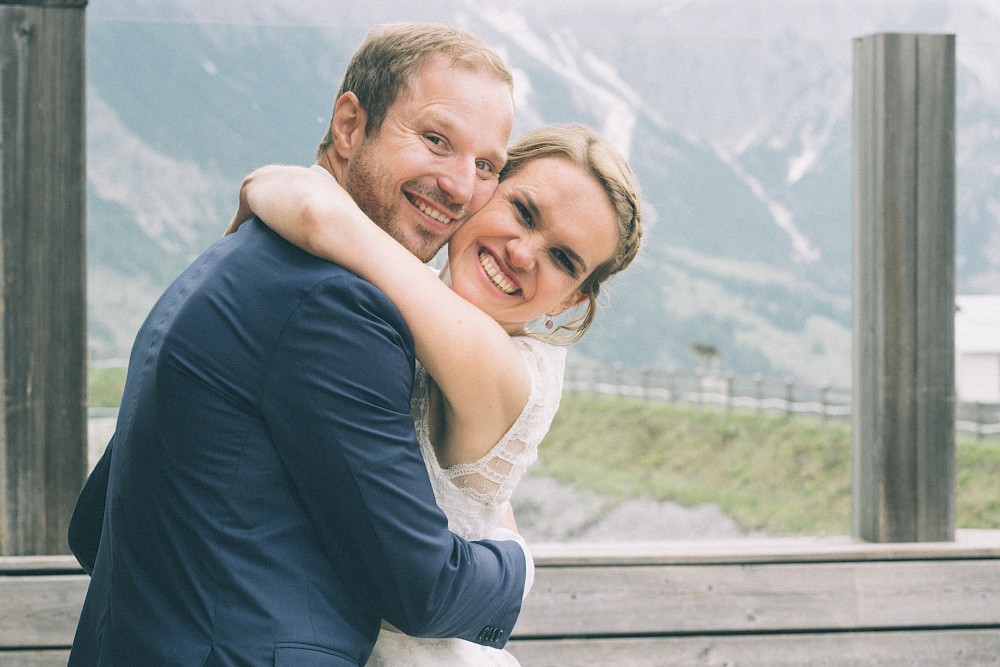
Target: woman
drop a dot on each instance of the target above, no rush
(564, 218)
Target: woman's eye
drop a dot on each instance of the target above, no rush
(525, 215)
(563, 260)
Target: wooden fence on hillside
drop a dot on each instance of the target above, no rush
(756, 393)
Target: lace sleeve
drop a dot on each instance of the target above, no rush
(493, 477)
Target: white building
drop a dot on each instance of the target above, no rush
(977, 349)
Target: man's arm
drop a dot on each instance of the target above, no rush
(86, 523)
(337, 402)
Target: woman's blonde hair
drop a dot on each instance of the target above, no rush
(587, 149)
(384, 65)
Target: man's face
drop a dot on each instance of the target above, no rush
(436, 158)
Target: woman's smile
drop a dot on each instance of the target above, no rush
(496, 275)
(524, 255)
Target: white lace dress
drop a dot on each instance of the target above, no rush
(475, 496)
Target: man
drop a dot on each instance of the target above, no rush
(263, 499)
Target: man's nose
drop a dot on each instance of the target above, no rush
(458, 180)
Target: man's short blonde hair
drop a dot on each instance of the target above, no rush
(392, 54)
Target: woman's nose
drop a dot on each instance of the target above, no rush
(522, 252)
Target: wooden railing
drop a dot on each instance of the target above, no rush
(768, 602)
(756, 393)
(752, 602)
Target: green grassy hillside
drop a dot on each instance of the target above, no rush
(769, 472)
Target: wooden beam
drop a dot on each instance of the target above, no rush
(904, 287)
(42, 260)
(760, 598)
(926, 648)
(768, 601)
(78, 4)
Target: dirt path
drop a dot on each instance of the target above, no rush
(547, 510)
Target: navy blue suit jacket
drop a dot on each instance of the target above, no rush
(263, 500)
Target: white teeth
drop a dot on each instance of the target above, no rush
(495, 274)
(434, 213)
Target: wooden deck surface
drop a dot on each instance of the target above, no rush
(784, 601)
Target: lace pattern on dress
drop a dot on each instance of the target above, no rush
(474, 495)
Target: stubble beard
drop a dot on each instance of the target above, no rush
(375, 198)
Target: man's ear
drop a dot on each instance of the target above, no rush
(348, 124)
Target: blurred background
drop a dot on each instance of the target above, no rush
(736, 117)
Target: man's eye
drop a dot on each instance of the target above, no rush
(483, 165)
(434, 139)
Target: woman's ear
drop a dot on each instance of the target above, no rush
(348, 124)
(574, 299)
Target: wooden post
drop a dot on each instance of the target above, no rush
(43, 453)
(904, 287)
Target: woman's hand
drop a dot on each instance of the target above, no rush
(243, 211)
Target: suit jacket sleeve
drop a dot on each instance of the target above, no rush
(337, 403)
(87, 521)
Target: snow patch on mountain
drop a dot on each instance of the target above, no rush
(813, 141)
(803, 251)
(561, 53)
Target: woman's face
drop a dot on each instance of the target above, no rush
(525, 254)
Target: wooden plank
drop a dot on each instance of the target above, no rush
(19, 565)
(676, 601)
(867, 289)
(78, 4)
(34, 658)
(896, 362)
(42, 258)
(932, 648)
(935, 286)
(672, 599)
(968, 544)
(40, 611)
(903, 481)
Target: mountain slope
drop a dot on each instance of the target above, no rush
(736, 117)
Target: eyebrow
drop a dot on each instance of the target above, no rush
(536, 212)
(446, 125)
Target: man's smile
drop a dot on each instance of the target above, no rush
(430, 211)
